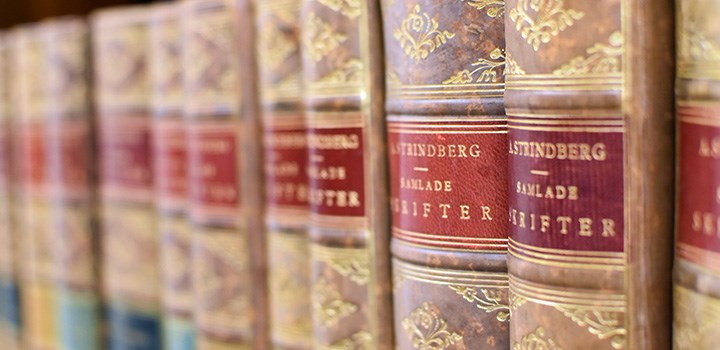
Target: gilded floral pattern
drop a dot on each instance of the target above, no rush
(493, 8)
(349, 8)
(537, 340)
(599, 59)
(540, 20)
(320, 38)
(419, 35)
(602, 324)
(483, 71)
(327, 303)
(488, 300)
(427, 330)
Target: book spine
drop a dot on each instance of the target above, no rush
(9, 291)
(285, 156)
(71, 183)
(219, 237)
(36, 280)
(170, 170)
(697, 246)
(447, 136)
(130, 252)
(348, 228)
(590, 219)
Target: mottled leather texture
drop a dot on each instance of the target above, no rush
(588, 85)
(447, 139)
(342, 75)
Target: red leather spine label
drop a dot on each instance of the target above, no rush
(73, 147)
(126, 158)
(286, 167)
(699, 185)
(447, 183)
(214, 174)
(170, 162)
(31, 156)
(336, 171)
(566, 190)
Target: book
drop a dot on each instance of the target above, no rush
(589, 100)
(697, 246)
(9, 286)
(32, 202)
(349, 225)
(170, 171)
(225, 284)
(286, 182)
(130, 238)
(70, 182)
(447, 139)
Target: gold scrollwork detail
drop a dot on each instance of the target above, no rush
(516, 301)
(348, 72)
(486, 70)
(535, 341)
(551, 19)
(600, 59)
(427, 330)
(358, 341)
(349, 8)
(275, 47)
(328, 305)
(603, 325)
(320, 38)
(490, 301)
(419, 35)
(493, 8)
(511, 66)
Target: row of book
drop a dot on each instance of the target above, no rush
(363, 174)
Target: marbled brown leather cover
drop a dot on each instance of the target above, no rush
(697, 246)
(130, 239)
(285, 171)
(342, 75)
(447, 136)
(589, 105)
(9, 291)
(71, 182)
(35, 242)
(226, 257)
(170, 171)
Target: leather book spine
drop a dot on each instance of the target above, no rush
(349, 226)
(170, 170)
(219, 248)
(9, 290)
(36, 279)
(130, 239)
(447, 136)
(589, 100)
(697, 245)
(71, 183)
(285, 169)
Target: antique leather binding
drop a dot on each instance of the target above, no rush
(697, 246)
(130, 253)
(589, 103)
(342, 76)
(221, 250)
(9, 291)
(71, 182)
(32, 205)
(170, 168)
(447, 134)
(285, 156)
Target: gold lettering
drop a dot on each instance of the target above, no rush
(561, 151)
(465, 212)
(486, 213)
(585, 225)
(563, 221)
(444, 208)
(608, 228)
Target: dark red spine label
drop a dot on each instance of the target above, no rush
(286, 175)
(31, 155)
(699, 185)
(213, 160)
(69, 165)
(170, 163)
(126, 158)
(336, 171)
(566, 189)
(447, 183)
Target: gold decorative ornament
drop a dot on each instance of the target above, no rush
(485, 70)
(419, 35)
(427, 330)
(491, 300)
(539, 21)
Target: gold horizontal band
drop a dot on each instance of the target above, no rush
(423, 120)
(427, 235)
(703, 258)
(449, 277)
(565, 88)
(581, 114)
(449, 249)
(588, 129)
(427, 87)
(566, 252)
(610, 123)
(580, 261)
(600, 300)
(698, 120)
(453, 97)
(488, 125)
(339, 222)
(433, 132)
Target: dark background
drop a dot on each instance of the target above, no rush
(14, 12)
